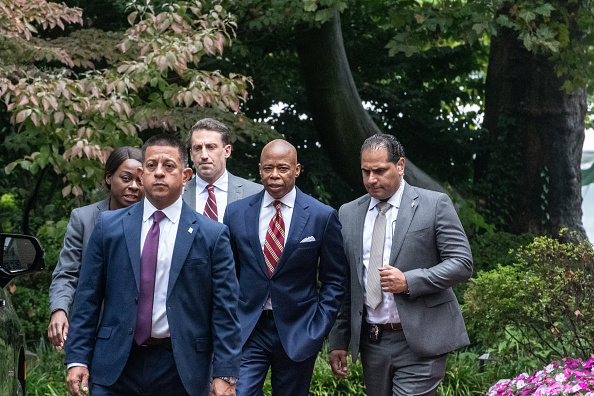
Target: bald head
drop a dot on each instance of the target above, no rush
(279, 168)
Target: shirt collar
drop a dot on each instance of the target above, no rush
(172, 212)
(394, 199)
(287, 200)
(222, 182)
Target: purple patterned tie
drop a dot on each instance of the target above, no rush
(148, 269)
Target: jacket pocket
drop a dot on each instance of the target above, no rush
(202, 344)
(104, 332)
(432, 300)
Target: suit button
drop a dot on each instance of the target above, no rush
(136, 301)
(130, 331)
(360, 313)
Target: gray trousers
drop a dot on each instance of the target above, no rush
(391, 368)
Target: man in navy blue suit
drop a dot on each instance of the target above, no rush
(166, 347)
(291, 266)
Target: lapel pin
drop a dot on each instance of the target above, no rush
(412, 205)
(190, 230)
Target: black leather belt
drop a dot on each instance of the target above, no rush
(388, 326)
(157, 342)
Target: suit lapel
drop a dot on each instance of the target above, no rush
(183, 243)
(189, 195)
(406, 211)
(132, 228)
(359, 221)
(252, 224)
(234, 189)
(298, 222)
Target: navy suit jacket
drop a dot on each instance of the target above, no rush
(307, 286)
(201, 299)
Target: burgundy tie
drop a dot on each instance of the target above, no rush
(148, 270)
(210, 209)
(274, 243)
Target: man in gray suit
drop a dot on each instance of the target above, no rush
(213, 187)
(406, 249)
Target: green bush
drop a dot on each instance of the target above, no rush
(490, 250)
(542, 306)
(46, 373)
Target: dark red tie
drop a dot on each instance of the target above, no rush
(210, 209)
(148, 270)
(275, 239)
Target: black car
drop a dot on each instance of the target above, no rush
(21, 254)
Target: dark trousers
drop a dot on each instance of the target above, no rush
(263, 350)
(149, 371)
(390, 367)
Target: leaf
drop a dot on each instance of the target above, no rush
(22, 115)
(66, 190)
(132, 18)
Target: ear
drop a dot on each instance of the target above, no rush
(297, 170)
(186, 175)
(227, 150)
(400, 166)
(108, 179)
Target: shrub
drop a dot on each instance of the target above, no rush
(542, 304)
(491, 250)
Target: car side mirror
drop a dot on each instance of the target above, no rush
(21, 254)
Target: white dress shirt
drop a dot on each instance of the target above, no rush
(168, 232)
(221, 187)
(386, 311)
(267, 211)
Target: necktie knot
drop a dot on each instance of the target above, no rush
(158, 216)
(210, 188)
(383, 207)
(277, 205)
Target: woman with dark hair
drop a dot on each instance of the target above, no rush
(124, 187)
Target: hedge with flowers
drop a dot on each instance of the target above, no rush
(538, 309)
(566, 377)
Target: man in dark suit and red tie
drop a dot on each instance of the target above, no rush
(165, 278)
(291, 264)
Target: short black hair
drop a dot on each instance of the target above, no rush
(210, 124)
(117, 158)
(384, 141)
(167, 141)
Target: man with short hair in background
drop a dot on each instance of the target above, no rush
(214, 187)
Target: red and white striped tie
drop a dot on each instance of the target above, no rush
(210, 209)
(275, 239)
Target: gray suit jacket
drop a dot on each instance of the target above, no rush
(238, 189)
(430, 247)
(78, 232)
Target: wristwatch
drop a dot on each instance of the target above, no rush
(229, 380)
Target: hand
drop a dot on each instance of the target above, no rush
(58, 329)
(392, 280)
(338, 363)
(221, 388)
(78, 375)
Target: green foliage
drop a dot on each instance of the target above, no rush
(542, 305)
(46, 373)
(472, 221)
(489, 250)
(70, 119)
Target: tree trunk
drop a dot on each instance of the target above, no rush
(530, 171)
(338, 114)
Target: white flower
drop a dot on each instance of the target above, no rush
(549, 368)
(560, 377)
(520, 384)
